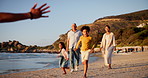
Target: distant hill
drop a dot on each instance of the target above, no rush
(140, 15)
(16, 46)
(124, 26)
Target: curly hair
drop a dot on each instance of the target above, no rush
(85, 27)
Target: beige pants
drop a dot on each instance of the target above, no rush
(108, 55)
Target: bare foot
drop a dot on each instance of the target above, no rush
(109, 68)
(64, 73)
(84, 76)
(67, 68)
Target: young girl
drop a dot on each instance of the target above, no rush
(63, 63)
(86, 47)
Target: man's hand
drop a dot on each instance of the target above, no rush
(67, 58)
(75, 49)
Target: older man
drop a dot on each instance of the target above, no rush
(73, 37)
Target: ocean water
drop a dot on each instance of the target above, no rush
(20, 62)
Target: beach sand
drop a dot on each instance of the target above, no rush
(131, 65)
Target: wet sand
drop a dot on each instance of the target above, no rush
(131, 65)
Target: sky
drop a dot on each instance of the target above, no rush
(64, 13)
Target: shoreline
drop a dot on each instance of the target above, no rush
(45, 65)
(29, 52)
(134, 65)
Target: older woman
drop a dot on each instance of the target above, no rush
(107, 46)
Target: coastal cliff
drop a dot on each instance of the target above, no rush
(125, 27)
(16, 46)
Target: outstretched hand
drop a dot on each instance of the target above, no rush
(38, 12)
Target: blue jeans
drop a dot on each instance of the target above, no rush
(76, 55)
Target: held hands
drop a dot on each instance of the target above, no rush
(75, 49)
(37, 12)
(115, 49)
(67, 58)
(92, 50)
(103, 52)
(100, 49)
(58, 56)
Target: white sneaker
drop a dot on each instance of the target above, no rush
(72, 70)
(76, 68)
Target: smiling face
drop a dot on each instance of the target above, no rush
(60, 45)
(74, 27)
(85, 32)
(107, 29)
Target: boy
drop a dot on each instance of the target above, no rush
(85, 41)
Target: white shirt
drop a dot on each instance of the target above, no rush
(107, 38)
(73, 38)
(64, 53)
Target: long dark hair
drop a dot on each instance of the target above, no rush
(107, 26)
(63, 45)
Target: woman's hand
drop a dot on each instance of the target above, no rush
(115, 49)
(100, 49)
(92, 50)
(38, 12)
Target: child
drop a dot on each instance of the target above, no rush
(85, 41)
(63, 63)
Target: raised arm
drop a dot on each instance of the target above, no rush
(33, 14)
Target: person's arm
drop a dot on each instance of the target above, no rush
(33, 14)
(93, 46)
(77, 45)
(114, 44)
(11, 17)
(59, 54)
(102, 46)
(65, 54)
(67, 46)
(68, 40)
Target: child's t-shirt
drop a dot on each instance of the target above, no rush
(64, 53)
(85, 43)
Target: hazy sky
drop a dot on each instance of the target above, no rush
(63, 13)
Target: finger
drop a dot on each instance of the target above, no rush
(45, 8)
(45, 12)
(42, 5)
(34, 6)
(44, 16)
